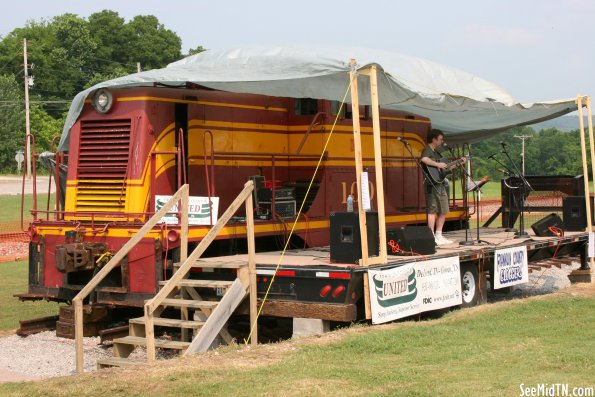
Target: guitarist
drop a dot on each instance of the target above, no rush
(436, 192)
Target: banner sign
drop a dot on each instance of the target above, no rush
(198, 210)
(414, 288)
(511, 267)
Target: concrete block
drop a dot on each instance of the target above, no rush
(309, 326)
(580, 276)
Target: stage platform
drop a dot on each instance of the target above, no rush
(491, 239)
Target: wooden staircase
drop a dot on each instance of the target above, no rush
(180, 291)
(200, 320)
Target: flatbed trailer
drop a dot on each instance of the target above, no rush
(308, 285)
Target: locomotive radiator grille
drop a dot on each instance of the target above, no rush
(103, 163)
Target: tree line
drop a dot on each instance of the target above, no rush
(547, 152)
(67, 54)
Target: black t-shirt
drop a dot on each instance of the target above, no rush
(433, 155)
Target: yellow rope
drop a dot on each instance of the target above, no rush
(247, 340)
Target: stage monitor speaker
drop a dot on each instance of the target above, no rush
(574, 213)
(346, 243)
(541, 227)
(411, 239)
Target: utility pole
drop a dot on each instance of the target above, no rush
(523, 137)
(27, 120)
(138, 67)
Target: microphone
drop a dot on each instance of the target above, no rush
(503, 145)
(492, 157)
(402, 140)
(445, 145)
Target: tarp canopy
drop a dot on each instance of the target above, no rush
(467, 108)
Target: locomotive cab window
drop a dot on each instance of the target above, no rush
(306, 106)
(336, 107)
(365, 112)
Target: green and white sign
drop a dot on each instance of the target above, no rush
(198, 210)
(414, 288)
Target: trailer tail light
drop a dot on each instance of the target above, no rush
(325, 290)
(338, 291)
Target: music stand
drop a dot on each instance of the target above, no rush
(476, 189)
(523, 195)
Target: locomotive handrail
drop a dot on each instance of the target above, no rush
(307, 134)
(77, 302)
(210, 180)
(187, 263)
(267, 154)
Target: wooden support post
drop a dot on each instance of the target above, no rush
(184, 225)
(579, 102)
(378, 163)
(357, 144)
(252, 270)
(78, 334)
(184, 254)
(150, 335)
(592, 147)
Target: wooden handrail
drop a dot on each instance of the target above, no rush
(152, 304)
(77, 302)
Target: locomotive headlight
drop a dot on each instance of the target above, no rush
(102, 102)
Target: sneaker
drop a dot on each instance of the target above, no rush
(440, 240)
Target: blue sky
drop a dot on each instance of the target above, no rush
(536, 50)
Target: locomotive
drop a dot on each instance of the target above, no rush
(132, 148)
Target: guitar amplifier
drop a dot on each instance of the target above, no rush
(283, 208)
(282, 193)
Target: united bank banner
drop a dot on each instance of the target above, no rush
(511, 267)
(414, 288)
(198, 210)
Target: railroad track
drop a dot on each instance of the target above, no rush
(36, 325)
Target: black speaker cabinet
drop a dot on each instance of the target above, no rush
(574, 213)
(412, 239)
(346, 242)
(540, 228)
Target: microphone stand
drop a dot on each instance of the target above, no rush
(520, 204)
(467, 241)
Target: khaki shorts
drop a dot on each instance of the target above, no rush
(436, 200)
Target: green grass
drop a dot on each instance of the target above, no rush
(489, 191)
(14, 281)
(10, 206)
(486, 351)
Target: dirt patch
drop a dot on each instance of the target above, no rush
(586, 290)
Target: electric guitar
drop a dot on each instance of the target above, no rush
(437, 175)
